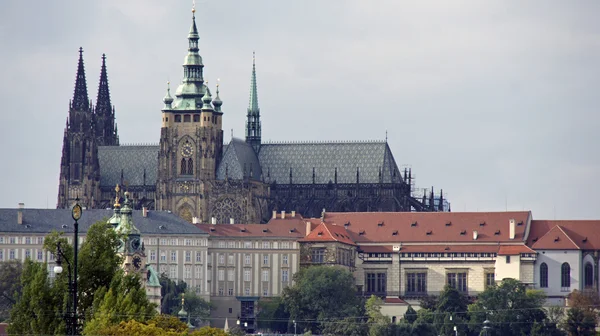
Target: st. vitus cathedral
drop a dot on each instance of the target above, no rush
(195, 175)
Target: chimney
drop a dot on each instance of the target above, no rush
(475, 234)
(144, 212)
(511, 229)
(293, 213)
(20, 213)
(274, 214)
(307, 228)
(213, 220)
(231, 221)
(282, 214)
(195, 220)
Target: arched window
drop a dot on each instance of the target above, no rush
(183, 167)
(589, 275)
(190, 167)
(544, 275)
(565, 275)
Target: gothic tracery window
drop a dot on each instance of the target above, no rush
(544, 275)
(565, 276)
(190, 166)
(183, 167)
(228, 208)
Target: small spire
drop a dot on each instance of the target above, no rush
(207, 98)
(253, 104)
(117, 197)
(168, 99)
(217, 101)
(80, 96)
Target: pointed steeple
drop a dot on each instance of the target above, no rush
(168, 99)
(253, 127)
(80, 97)
(217, 101)
(104, 112)
(192, 65)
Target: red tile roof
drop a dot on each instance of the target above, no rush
(276, 228)
(481, 248)
(514, 249)
(584, 233)
(394, 300)
(329, 233)
(556, 239)
(431, 226)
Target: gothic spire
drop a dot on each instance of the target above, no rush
(80, 97)
(192, 65)
(103, 105)
(217, 103)
(253, 127)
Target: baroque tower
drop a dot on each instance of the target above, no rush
(79, 169)
(191, 140)
(253, 132)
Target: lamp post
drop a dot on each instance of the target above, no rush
(294, 321)
(486, 327)
(71, 318)
(245, 324)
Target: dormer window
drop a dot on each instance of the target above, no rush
(429, 232)
(448, 223)
(380, 224)
(413, 224)
(463, 232)
(395, 233)
(361, 232)
(482, 224)
(497, 233)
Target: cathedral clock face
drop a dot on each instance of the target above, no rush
(187, 150)
(137, 262)
(135, 244)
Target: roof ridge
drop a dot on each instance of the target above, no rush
(558, 227)
(322, 142)
(329, 231)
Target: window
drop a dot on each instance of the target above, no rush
(221, 259)
(196, 118)
(27, 240)
(230, 292)
(231, 244)
(317, 255)
(188, 256)
(188, 242)
(229, 275)
(198, 257)
(490, 279)
(589, 275)
(246, 275)
(163, 256)
(198, 270)
(220, 291)
(173, 256)
(11, 254)
(265, 291)
(285, 259)
(188, 272)
(222, 244)
(266, 259)
(40, 255)
(266, 245)
(187, 118)
(177, 118)
(152, 255)
(173, 272)
(565, 277)
(246, 259)
(221, 275)
(458, 281)
(544, 275)
(376, 283)
(416, 282)
(230, 259)
(508, 259)
(285, 245)
(183, 167)
(1, 240)
(12, 240)
(28, 254)
(1, 254)
(265, 275)
(247, 291)
(247, 244)
(284, 276)
(190, 167)
(174, 241)
(163, 242)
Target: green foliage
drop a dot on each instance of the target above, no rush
(272, 315)
(124, 300)
(236, 331)
(378, 323)
(209, 331)
(10, 286)
(322, 294)
(38, 309)
(580, 322)
(197, 307)
(515, 309)
(410, 316)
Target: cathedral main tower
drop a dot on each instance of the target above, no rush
(191, 140)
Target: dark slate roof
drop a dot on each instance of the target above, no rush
(133, 161)
(239, 159)
(47, 220)
(276, 160)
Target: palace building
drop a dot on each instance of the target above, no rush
(197, 176)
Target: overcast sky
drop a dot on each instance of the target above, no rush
(496, 102)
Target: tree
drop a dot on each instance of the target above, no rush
(511, 308)
(10, 286)
(38, 308)
(197, 307)
(582, 317)
(272, 315)
(410, 316)
(378, 323)
(209, 331)
(124, 300)
(450, 311)
(321, 295)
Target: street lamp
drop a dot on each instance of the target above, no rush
(486, 327)
(294, 321)
(71, 318)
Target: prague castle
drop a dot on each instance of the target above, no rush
(195, 175)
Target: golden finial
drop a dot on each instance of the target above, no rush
(218, 80)
(193, 6)
(117, 189)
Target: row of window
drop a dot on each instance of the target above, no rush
(22, 240)
(259, 245)
(173, 256)
(565, 275)
(416, 282)
(443, 255)
(12, 255)
(248, 275)
(248, 259)
(195, 118)
(175, 242)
